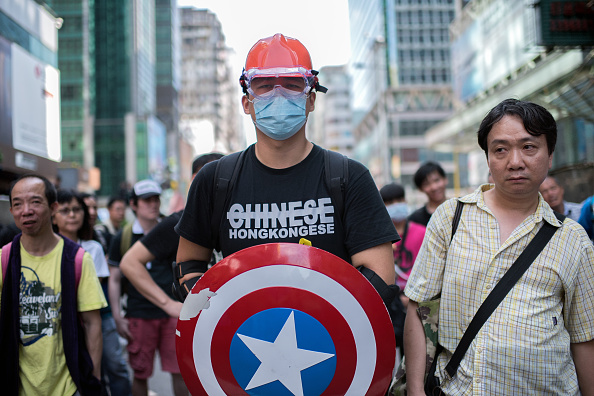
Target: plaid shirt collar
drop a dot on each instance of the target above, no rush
(543, 210)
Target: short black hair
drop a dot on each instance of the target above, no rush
(50, 189)
(391, 192)
(115, 199)
(204, 159)
(536, 119)
(85, 195)
(555, 179)
(425, 170)
(85, 232)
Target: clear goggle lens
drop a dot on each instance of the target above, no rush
(293, 81)
(278, 90)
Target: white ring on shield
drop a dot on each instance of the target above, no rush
(301, 278)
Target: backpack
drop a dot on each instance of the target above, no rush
(336, 171)
(126, 240)
(125, 243)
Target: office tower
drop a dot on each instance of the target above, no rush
(331, 122)
(130, 141)
(535, 51)
(210, 95)
(401, 84)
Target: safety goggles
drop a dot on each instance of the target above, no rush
(293, 81)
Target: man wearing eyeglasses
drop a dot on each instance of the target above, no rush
(281, 194)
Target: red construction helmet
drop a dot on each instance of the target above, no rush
(278, 51)
(279, 56)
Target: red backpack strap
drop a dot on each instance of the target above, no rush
(5, 257)
(78, 261)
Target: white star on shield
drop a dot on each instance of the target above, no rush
(282, 360)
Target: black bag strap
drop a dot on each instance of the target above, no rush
(337, 175)
(507, 282)
(456, 219)
(226, 174)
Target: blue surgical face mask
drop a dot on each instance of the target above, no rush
(280, 116)
(398, 211)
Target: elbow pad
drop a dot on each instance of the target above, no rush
(181, 291)
(387, 293)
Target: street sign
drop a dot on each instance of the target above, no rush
(285, 319)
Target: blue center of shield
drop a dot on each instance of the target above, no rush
(282, 351)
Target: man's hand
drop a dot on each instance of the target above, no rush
(122, 327)
(172, 308)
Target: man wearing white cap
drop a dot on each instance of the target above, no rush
(145, 326)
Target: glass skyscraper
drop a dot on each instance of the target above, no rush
(401, 83)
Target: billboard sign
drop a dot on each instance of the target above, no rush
(566, 23)
(496, 43)
(35, 106)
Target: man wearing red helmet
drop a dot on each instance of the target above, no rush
(280, 194)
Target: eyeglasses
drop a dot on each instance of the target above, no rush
(66, 211)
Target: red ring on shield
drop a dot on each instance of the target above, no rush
(292, 276)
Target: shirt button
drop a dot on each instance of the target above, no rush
(488, 287)
(478, 381)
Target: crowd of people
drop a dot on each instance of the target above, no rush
(538, 340)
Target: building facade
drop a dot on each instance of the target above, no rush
(29, 93)
(209, 97)
(542, 53)
(402, 56)
(130, 141)
(331, 122)
(167, 69)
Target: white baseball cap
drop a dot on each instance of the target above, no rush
(146, 189)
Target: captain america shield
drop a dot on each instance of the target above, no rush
(285, 319)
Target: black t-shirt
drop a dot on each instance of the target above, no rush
(160, 270)
(420, 216)
(162, 241)
(284, 205)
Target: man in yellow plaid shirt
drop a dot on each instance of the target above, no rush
(539, 340)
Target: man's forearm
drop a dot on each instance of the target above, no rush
(114, 290)
(133, 266)
(379, 259)
(93, 338)
(583, 358)
(415, 350)
(187, 251)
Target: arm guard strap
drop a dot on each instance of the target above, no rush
(386, 292)
(181, 291)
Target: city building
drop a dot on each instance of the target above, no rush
(209, 94)
(541, 52)
(331, 122)
(168, 79)
(76, 61)
(401, 86)
(29, 93)
(130, 141)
